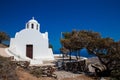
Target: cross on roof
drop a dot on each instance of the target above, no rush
(33, 18)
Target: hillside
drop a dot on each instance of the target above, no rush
(3, 46)
(11, 71)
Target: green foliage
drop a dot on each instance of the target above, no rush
(64, 50)
(67, 35)
(106, 49)
(3, 37)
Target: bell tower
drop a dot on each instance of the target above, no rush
(33, 24)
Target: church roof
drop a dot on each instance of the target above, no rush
(32, 20)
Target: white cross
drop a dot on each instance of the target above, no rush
(33, 18)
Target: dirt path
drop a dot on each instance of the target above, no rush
(3, 53)
(64, 75)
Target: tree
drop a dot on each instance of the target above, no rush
(76, 40)
(80, 40)
(64, 52)
(108, 52)
(66, 42)
(3, 37)
(106, 49)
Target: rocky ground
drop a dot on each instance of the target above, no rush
(10, 71)
(24, 75)
(61, 75)
(64, 75)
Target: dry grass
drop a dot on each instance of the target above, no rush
(24, 75)
(7, 69)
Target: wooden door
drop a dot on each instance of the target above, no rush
(29, 51)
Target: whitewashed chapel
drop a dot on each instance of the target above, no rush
(30, 44)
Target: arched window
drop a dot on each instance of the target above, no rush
(37, 27)
(27, 26)
(32, 26)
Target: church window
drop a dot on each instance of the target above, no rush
(27, 26)
(37, 26)
(32, 26)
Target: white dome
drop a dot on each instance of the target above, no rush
(32, 20)
(33, 24)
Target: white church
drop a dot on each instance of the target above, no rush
(30, 44)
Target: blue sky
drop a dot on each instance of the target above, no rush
(56, 16)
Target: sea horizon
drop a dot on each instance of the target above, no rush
(83, 53)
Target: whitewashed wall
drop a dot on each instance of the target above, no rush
(35, 38)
